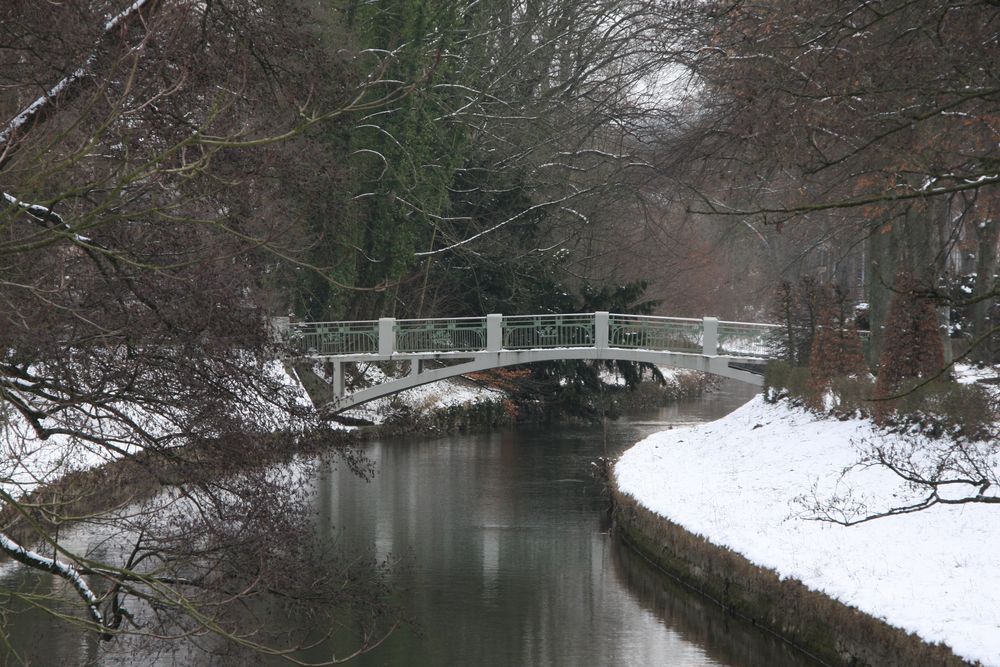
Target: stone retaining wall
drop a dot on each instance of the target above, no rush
(832, 632)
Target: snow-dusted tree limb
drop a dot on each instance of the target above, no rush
(47, 217)
(60, 569)
(43, 105)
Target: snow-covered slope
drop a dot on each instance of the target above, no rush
(746, 482)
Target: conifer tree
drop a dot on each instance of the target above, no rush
(913, 347)
(836, 350)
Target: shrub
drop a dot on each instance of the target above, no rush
(782, 380)
(945, 408)
(853, 394)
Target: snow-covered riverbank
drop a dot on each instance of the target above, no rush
(28, 462)
(746, 482)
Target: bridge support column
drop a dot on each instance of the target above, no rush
(414, 367)
(494, 332)
(710, 336)
(338, 380)
(601, 326)
(386, 336)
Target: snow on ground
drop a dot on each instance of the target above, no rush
(743, 482)
(671, 376)
(968, 374)
(427, 397)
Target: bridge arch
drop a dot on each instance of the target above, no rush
(717, 365)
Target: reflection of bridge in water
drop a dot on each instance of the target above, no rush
(461, 345)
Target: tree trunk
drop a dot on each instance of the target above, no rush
(987, 235)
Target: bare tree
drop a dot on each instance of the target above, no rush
(876, 118)
(143, 215)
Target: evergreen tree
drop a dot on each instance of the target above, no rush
(836, 351)
(913, 347)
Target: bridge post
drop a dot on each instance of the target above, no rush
(338, 380)
(280, 327)
(601, 326)
(494, 332)
(386, 336)
(710, 336)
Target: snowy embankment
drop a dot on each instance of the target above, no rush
(28, 462)
(747, 482)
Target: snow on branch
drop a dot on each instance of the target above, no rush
(57, 567)
(503, 223)
(35, 108)
(46, 215)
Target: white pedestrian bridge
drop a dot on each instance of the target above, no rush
(442, 348)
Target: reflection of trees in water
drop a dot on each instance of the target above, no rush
(726, 638)
(217, 570)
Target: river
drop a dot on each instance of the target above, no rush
(503, 556)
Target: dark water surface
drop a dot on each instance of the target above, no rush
(503, 556)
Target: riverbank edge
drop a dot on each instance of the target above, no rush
(826, 629)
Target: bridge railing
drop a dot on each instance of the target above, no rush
(323, 338)
(388, 336)
(673, 334)
(525, 332)
(458, 334)
(747, 339)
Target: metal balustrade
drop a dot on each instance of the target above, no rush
(747, 339)
(388, 336)
(676, 334)
(460, 334)
(525, 332)
(332, 338)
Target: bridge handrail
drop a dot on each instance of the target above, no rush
(346, 337)
(740, 339)
(761, 325)
(481, 318)
(652, 332)
(388, 336)
(659, 317)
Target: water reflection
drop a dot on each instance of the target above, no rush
(727, 639)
